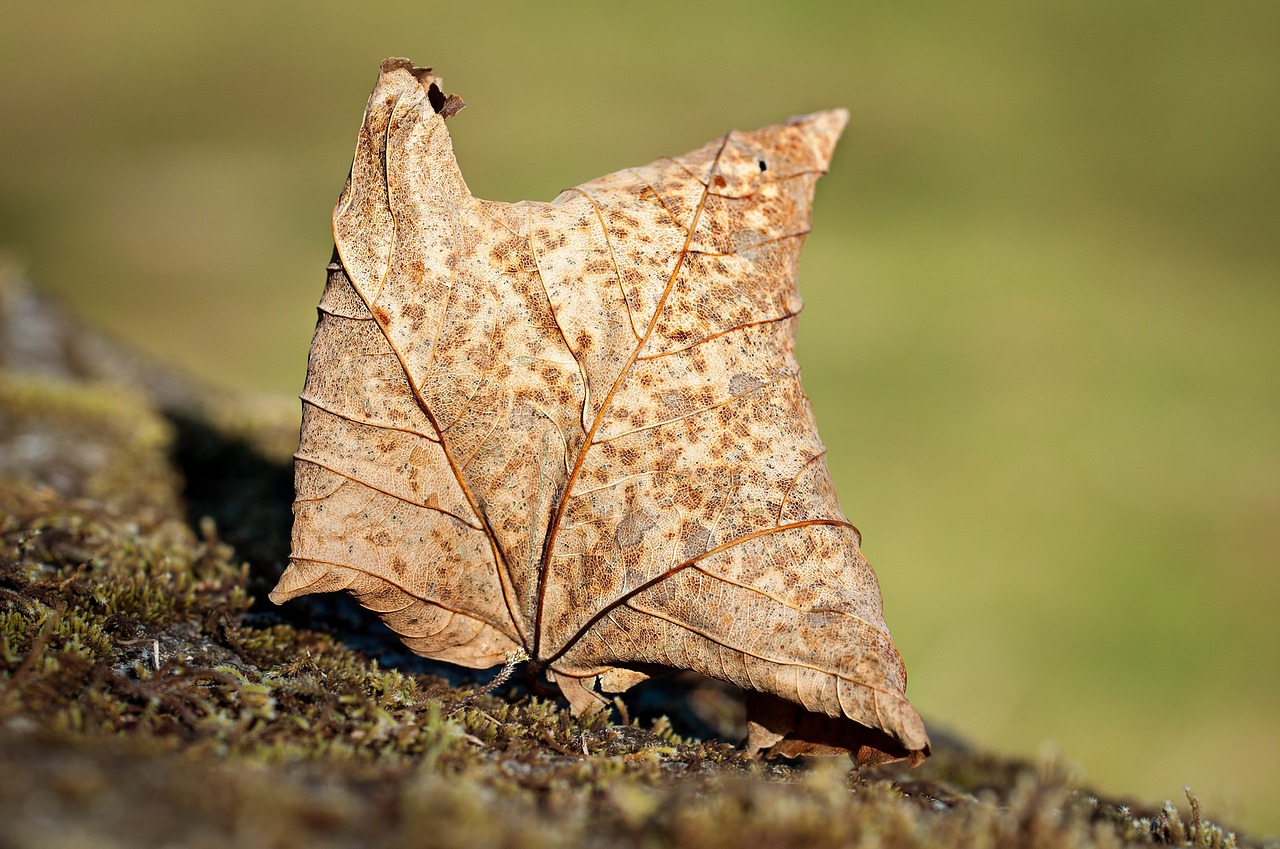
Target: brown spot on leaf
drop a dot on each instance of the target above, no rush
(695, 541)
(631, 530)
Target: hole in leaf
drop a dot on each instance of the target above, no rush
(436, 96)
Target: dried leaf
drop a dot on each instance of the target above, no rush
(577, 428)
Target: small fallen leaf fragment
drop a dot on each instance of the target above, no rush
(576, 429)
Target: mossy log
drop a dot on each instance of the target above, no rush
(147, 699)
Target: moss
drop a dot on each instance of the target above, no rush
(99, 442)
(145, 700)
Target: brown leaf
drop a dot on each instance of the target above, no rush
(577, 428)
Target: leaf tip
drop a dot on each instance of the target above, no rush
(445, 105)
(395, 63)
(297, 580)
(823, 129)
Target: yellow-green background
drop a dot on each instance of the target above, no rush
(1043, 332)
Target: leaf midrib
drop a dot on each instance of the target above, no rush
(557, 518)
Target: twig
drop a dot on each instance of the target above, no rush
(514, 659)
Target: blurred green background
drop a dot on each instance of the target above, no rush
(1043, 334)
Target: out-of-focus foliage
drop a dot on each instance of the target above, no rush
(1043, 291)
